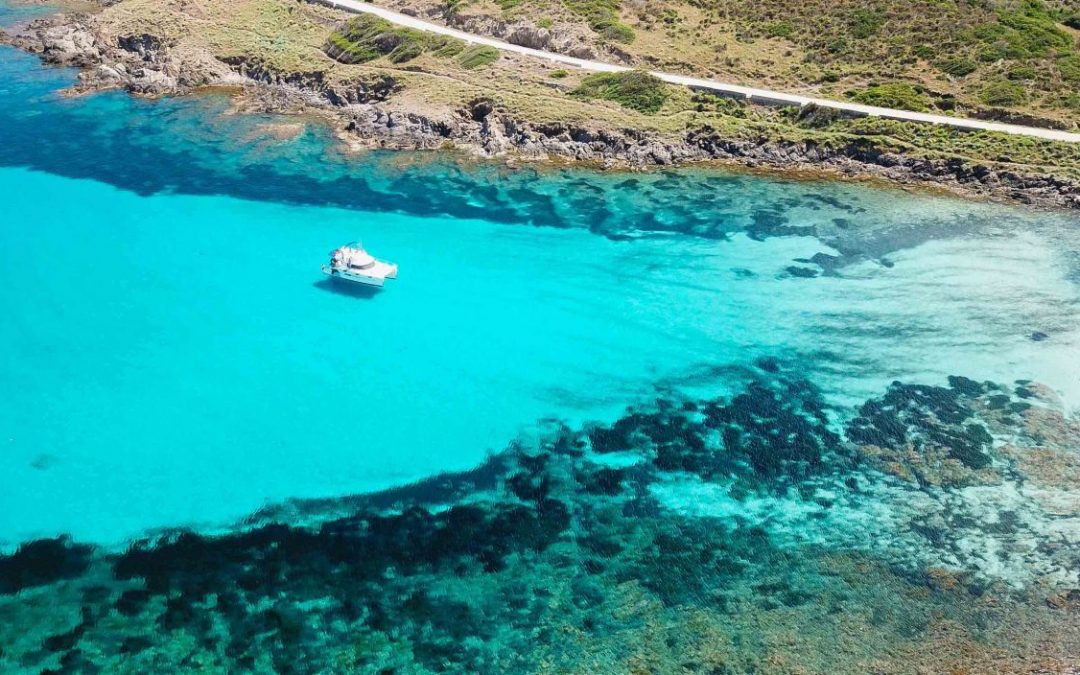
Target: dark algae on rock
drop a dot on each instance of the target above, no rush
(42, 562)
(735, 534)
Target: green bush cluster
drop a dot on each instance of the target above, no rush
(782, 29)
(477, 56)
(603, 17)
(893, 95)
(1069, 67)
(958, 67)
(1002, 93)
(1021, 72)
(866, 23)
(1027, 33)
(366, 38)
(635, 89)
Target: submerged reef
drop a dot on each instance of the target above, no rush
(934, 529)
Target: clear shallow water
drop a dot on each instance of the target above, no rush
(171, 356)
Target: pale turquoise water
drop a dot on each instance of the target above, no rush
(169, 354)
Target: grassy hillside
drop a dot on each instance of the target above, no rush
(976, 57)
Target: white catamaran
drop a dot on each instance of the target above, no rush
(352, 263)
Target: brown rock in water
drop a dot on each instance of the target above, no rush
(1067, 600)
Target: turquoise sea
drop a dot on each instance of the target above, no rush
(171, 358)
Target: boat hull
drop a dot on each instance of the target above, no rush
(350, 277)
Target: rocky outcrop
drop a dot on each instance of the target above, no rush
(148, 65)
(562, 39)
(485, 129)
(315, 84)
(142, 63)
(61, 43)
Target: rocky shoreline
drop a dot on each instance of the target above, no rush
(361, 111)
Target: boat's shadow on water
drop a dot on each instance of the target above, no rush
(347, 288)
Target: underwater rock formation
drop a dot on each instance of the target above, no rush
(42, 562)
(592, 550)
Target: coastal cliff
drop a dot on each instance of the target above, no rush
(374, 108)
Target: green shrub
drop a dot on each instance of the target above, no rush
(958, 67)
(1072, 102)
(866, 23)
(925, 52)
(1002, 93)
(449, 49)
(1021, 72)
(341, 48)
(635, 89)
(837, 46)
(893, 95)
(406, 51)
(616, 32)
(603, 18)
(780, 29)
(477, 56)
(1033, 32)
(559, 74)
(545, 22)
(1028, 33)
(994, 52)
(366, 38)
(1069, 67)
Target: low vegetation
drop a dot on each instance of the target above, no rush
(954, 53)
(366, 38)
(635, 89)
(477, 56)
(966, 45)
(1002, 93)
(1032, 154)
(898, 95)
(603, 17)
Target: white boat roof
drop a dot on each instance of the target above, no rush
(354, 252)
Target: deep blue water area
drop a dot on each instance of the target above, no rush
(603, 421)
